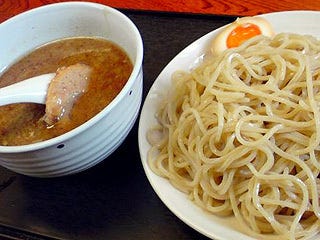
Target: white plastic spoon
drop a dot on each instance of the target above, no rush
(30, 90)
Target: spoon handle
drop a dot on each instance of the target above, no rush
(31, 90)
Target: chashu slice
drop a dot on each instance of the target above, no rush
(64, 90)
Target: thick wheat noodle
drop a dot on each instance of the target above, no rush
(240, 135)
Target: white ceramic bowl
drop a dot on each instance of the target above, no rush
(96, 139)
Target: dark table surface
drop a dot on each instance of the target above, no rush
(112, 200)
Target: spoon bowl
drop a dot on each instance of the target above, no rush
(33, 90)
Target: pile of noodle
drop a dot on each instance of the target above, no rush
(240, 135)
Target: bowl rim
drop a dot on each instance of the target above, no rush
(137, 67)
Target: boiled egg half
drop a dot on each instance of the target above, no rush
(239, 31)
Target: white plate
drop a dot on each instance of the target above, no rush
(302, 22)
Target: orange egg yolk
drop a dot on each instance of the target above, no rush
(242, 33)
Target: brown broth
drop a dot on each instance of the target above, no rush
(21, 123)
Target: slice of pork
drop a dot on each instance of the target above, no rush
(64, 90)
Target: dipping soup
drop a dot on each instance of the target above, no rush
(22, 123)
